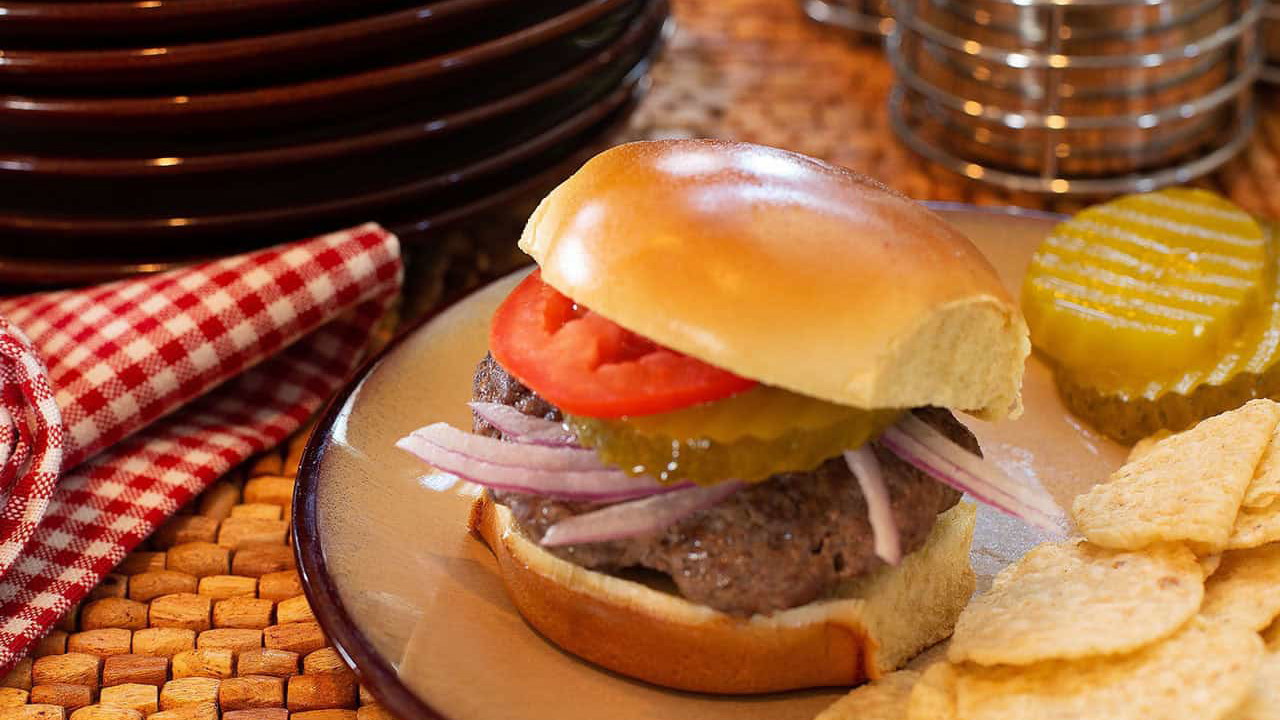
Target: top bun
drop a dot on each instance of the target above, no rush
(787, 270)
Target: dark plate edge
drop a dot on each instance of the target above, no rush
(370, 667)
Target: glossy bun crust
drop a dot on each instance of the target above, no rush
(786, 270)
(876, 624)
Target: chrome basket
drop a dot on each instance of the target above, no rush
(1087, 97)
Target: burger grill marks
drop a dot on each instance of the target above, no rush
(774, 545)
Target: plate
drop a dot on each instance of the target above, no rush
(292, 211)
(150, 157)
(106, 22)
(414, 602)
(259, 59)
(550, 44)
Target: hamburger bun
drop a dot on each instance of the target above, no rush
(876, 624)
(786, 270)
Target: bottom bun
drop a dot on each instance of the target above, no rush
(874, 626)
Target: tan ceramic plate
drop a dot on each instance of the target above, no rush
(415, 602)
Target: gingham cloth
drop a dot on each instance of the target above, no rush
(155, 388)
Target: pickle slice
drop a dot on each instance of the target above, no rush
(1145, 287)
(1248, 369)
(748, 437)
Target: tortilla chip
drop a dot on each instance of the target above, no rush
(1188, 488)
(884, 699)
(1254, 527)
(934, 696)
(1263, 701)
(1063, 601)
(1246, 588)
(1264, 489)
(1201, 673)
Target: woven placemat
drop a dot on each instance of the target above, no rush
(208, 620)
(205, 619)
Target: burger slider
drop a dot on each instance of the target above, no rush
(715, 426)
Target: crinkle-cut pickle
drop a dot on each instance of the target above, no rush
(1146, 286)
(748, 437)
(1249, 369)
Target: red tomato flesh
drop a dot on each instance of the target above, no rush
(590, 366)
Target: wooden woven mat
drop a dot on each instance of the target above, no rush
(208, 619)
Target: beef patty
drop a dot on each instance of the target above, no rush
(780, 543)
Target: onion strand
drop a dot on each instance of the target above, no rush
(597, 485)
(524, 428)
(637, 517)
(933, 453)
(884, 530)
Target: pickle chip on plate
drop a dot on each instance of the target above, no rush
(1157, 311)
(1146, 285)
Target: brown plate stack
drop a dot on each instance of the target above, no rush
(139, 133)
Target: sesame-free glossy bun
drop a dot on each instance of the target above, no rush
(872, 627)
(787, 270)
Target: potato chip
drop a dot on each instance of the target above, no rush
(1254, 527)
(934, 695)
(1264, 489)
(1246, 588)
(1188, 488)
(1263, 700)
(884, 699)
(1209, 564)
(1144, 446)
(1271, 636)
(1201, 673)
(1071, 600)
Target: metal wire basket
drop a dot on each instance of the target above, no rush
(1091, 97)
(1271, 41)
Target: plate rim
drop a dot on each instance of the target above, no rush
(73, 111)
(61, 63)
(182, 226)
(371, 668)
(27, 164)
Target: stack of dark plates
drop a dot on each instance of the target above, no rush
(137, 133)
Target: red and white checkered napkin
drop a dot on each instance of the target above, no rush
(154, 388)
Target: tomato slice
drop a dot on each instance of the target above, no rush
(590, 366)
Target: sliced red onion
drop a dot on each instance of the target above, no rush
(523, 428)
(933, 453)
(884, 531)
(638, 517)
(604, 485)
(511, 454)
